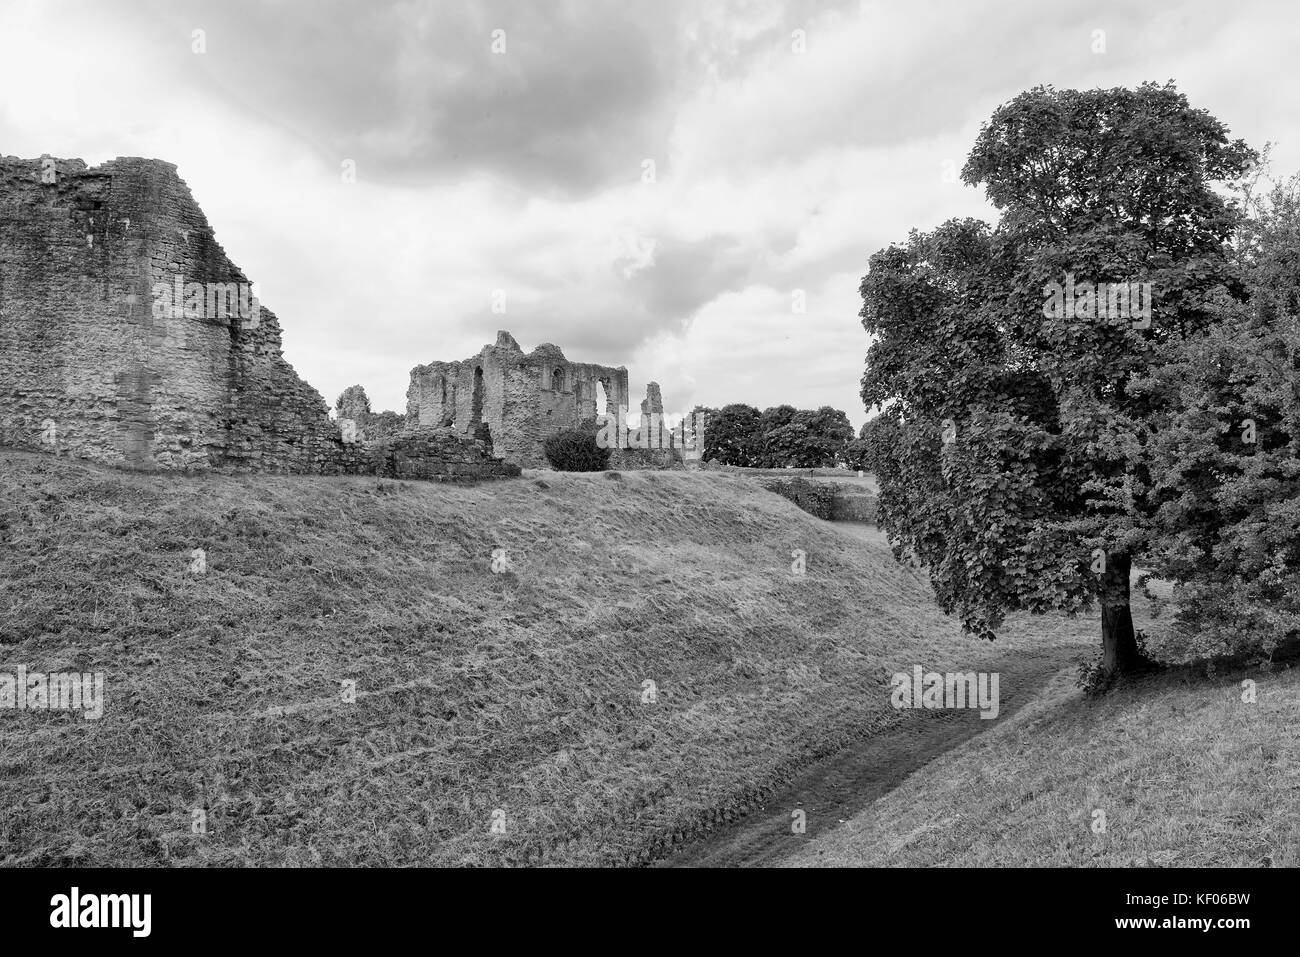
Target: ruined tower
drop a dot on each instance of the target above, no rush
(514, 399)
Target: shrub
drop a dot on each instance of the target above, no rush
(576, 451)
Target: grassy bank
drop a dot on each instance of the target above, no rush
(518, 697)
(1184, 771)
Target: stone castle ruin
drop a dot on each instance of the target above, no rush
(127, 336)
(100, 359)
(513, 399)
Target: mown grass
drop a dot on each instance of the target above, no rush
(1186, 772)
(476, 692)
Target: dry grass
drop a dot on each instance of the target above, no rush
(476, 691)
(1187, 773)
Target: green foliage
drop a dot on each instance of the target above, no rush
(354, 404)
(805, 439)
(576, 450)
(855, 455)
(732, 435)
(1226, 469)
(776, 417)
(1010, 449)
(780, 436)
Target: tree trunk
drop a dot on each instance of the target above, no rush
(1120, 654)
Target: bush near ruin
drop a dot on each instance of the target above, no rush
(576, 450)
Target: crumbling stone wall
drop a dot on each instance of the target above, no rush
(439, 455)
(353, 405)
(662, 453)
(521, 399)
(94, 362)
(86, 346)
(832, 501)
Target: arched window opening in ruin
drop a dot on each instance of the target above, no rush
(441, 386)
(602, 397)
(476, 404)
(557, 380)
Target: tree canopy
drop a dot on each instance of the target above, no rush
(1011, 448)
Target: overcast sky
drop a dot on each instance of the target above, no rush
(782, 160)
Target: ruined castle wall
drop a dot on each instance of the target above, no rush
(281, 424)
(431, 395)
(437, 455)
(614, 382)
(82, 345)
(79, 345)
(522, 398)
(515, 415)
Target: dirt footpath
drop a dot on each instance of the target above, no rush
(833, 789)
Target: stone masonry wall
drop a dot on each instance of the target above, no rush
(630, 459)
(832, 501)
(521, 398)
(438, 454)
(124, 382)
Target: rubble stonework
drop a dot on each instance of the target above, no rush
(513, 399)
(661, 451)
(91, 366)
(353, 405)
(438, 454)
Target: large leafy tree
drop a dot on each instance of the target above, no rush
(774, 418)
(856, 452)
(1226, 470)
(1010, 446)
(809, 439)
(733, 435)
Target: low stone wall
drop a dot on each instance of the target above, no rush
(832, 501)
(631, 460)
(816, 498)
(437, 455)
(853, 504)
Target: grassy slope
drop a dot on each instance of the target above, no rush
(1186, 772)
(476, 691)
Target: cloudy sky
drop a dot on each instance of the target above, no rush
(505, 147)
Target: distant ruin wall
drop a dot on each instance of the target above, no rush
(522, 398)
(663, 450)
(353, 405)
(438, 455)
(832, 501)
